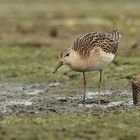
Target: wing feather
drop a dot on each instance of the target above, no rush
(108, 41)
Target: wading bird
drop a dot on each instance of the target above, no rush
(90, 52)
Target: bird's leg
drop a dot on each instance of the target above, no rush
(99, 87)
(84, 79)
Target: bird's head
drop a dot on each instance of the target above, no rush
(65, 57)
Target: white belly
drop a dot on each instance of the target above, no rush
(100, 61)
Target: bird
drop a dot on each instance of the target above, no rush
(90, 52)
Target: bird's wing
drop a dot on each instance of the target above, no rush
(113, 35)
(108, 41)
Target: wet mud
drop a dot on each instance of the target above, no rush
(37, 99)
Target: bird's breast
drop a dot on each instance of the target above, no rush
(96, 61)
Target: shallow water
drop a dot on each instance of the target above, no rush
(91, 95)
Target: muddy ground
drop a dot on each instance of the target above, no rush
(37, 99)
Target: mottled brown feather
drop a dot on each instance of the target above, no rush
(108, 41)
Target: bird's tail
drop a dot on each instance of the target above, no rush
(114, 35)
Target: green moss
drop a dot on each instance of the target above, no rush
(121, 126)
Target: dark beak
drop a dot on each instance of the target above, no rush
(58, 66)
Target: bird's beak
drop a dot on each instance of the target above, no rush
(60, 63)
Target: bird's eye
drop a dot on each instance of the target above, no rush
(67, 54)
